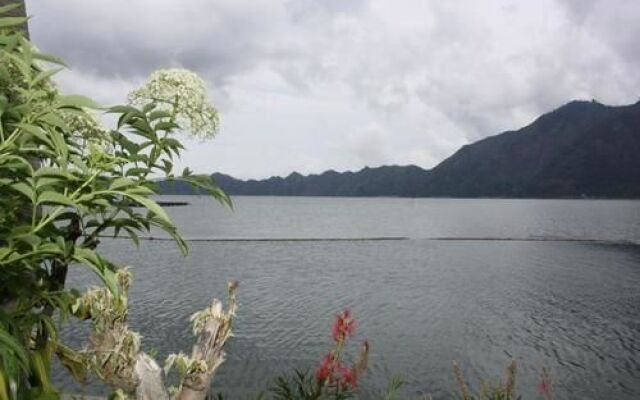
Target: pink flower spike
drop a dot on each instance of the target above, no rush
(543, 388)
(344, 326)
(347, 378)
(324, 370)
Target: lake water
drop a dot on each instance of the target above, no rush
(565, 294)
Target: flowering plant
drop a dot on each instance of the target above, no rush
(183, 94)
(333, 378)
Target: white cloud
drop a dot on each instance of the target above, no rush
(311, 85)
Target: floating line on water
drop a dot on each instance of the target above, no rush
(538, 239)
(533, 239)
(330, 239)
(389, 238)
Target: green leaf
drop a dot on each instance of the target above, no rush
(13, 345)
(120, 183)
(37, 132)
(136, 171)
(77, 101)
(11, 21)
(23, 66)
(91, 259)
(55, 198)
(148, 107)
(101, 203)
(7, 8)
(73, 361)
(49, 58)
(141, 190)
(4, 252)
(151, 206)
(39, 364)
(158, 114)
(3, 103)
(23, 188)
(124, 110)
(52, 171)
(30, 239)
(44, 75)
(142, 126)
(167, 167)
(125, 118)
(46, 181)
(133, 235)
(55, 120)
(50, 249)
(166, 126)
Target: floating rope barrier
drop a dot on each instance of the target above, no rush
(387, 238)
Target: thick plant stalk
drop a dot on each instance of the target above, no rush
(213, 327)
(151, 379)
(115, 356)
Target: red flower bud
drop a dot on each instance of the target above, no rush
(344, 326)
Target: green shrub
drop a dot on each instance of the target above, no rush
(65, 181)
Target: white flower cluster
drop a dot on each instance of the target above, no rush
(182, 93)
(87, 126)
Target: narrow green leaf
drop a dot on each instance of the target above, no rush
(158, 114)
(133, 235)
(121, 109)
(152, 206)
(54, 172)
(23, 188)
(12, 344)
(78, 101)
(55, 120)
(23, 66)
(49, 58)
(4, 252)
(37, 132)
(11, 21)
(46, 181)
(73, 361)
(120, 183)
(44, 75)
(91, 259)
(166, 126)
(136, 171)
(55, 198)
(148, 107)
(7, 8)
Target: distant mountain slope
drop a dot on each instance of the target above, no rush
(402, 181)
(381, 181)
(581, 149)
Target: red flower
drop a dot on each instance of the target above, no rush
(543, 388)
(347, 377)
(344, 326)
(324, 370)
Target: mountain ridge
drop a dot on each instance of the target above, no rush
(581, 149)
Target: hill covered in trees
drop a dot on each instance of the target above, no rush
(581, 149)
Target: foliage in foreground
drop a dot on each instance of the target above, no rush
(65, 181)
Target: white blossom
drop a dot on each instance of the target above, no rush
(182, 93)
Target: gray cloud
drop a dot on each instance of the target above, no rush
(345, 83)
(616, 24)
(132, 38)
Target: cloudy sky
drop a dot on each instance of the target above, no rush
(310, 85)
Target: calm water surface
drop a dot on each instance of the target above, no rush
(568, 305)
